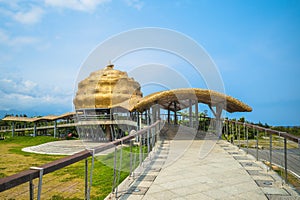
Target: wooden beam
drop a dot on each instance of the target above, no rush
(212, 110)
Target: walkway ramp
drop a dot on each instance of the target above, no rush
(190, 165)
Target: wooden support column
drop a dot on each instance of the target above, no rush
(34, 130)
(157, 111)
(219, 109)
(12, 128)
(147, 114)
(196, 114)
(154, 113)
(190, 113)
(168, 115)
(175, 113)
(139, 120)
(55, 129)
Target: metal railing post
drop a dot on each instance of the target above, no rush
(148, 131)
(239, 136)
(244, 130)
(271, 146)
(153, 138)
(141, 143)
(130, 173)
(41, 170)
(91, 174)
(232, 133)
(148, 142)
(119, 171)
(256, 144)
(31, 189)
(285, 161)
(86, 179)
(236, 130)
(115, 166)
(247, 135)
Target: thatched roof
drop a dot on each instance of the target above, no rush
(19, 119)
(107, 88)
(182, 96)
(35, 119)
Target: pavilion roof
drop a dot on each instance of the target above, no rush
(182, 96)
(35, 119)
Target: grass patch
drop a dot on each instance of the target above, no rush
(66, 183)
(58, 197)
(2, 175)
(14, 160)
(25, 141)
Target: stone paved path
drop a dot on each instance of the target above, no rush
(220, 171)
(191, 167)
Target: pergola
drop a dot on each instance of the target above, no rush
(67, 116)
(178, 99)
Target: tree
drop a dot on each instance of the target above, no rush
(242, 119)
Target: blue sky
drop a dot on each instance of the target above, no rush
(254, 44)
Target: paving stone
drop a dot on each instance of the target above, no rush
(253, 168)
(154, 169)
(233, 153)
(275, 191)
(248, 164)
(137, 190)
(133, 197)
(264, 183)
(262, 177)
(254, 172)
(241, 157)
(229, 149)
(146, 178)
(145, 184)
(281, 197)
(155, 162)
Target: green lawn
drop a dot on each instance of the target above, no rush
(66, 183)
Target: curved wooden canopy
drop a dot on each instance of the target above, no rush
(181, 98)
(36, 119)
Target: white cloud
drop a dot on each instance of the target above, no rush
(32, 16)
(24, 95)
(17, 86)
(16, 41)
(11, 3)
(29, 12)
(137, 4)
(81, 5)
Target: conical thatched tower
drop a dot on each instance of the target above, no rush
(102, 98)
(107, 88)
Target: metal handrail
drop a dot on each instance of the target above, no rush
(286, 135)
(27, 175)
